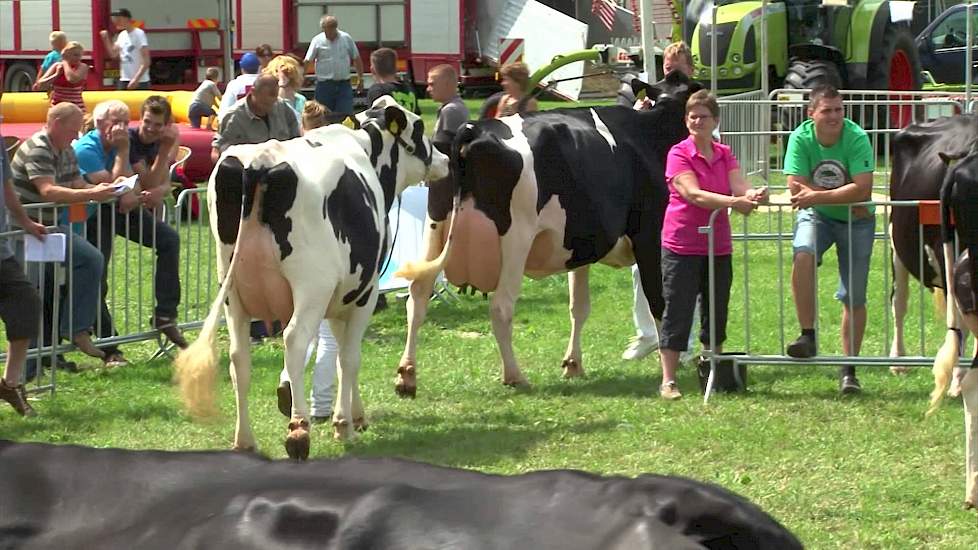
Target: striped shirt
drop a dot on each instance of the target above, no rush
(63, 90)
(38, 158)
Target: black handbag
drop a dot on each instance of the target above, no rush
(727, 379)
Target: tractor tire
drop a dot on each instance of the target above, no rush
(804, 74)
(19, 77)
(896, 66)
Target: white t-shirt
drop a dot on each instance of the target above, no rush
(130, 44)
(236, 89)
(206, 93)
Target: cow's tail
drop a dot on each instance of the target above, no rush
(426, 269)
(195, 368)
(947, 356)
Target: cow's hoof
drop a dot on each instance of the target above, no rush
(360, 424)
(899, 370)
(342, 430)
(572, 369)
(297, 441)
(406, 383)
(968, 505)
(245, 449)
(519, 382)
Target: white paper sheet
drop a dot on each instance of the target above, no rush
(126, 185)
(51, 249)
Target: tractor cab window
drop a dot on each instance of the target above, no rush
(952, 31)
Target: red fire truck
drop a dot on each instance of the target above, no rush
(186, 36)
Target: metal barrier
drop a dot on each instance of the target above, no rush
(130, 275)
(757, 247)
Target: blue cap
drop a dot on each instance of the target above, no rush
(249, 62)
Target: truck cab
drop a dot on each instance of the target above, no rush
(942, 43)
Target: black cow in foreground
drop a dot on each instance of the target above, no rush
(918, 172)
(69, 497)
(550, 192)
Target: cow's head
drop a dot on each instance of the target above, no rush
(669, 97)
(399, 150)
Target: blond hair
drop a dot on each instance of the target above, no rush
(314, 115)
(57, 35)
(679, 49)
(289, 67)
(73, 46)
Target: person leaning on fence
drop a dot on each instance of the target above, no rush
(676, 57)
(383, 67)
(45, 170)
(703, 176)
(330, 54)
(202, 103)
(145, 151)
(66, 78)
(830, 162)
(20, 305)
(515, 80)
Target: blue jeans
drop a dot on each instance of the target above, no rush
(123, 84)
(336, 95)
(85, 277)
(815, 234)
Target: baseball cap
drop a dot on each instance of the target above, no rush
(121, 12)
(249, 62)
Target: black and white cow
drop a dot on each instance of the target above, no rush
(918, 172)
(551, 192)
(959, 204)
(76, 497)
(302, 230)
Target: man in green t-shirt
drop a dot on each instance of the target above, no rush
(829, 163)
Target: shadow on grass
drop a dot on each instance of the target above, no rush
(470, 441)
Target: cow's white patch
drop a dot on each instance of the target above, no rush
(603, 130)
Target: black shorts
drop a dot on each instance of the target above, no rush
(683, 279)
(20, 305)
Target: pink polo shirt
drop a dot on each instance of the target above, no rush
(680, 230)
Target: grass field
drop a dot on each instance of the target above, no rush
(863, 472)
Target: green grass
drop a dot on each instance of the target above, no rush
(866, 472)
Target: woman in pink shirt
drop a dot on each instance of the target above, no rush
(703, 176)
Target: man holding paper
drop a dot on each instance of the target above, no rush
(45, 170)
(113, 153)
(20, 306)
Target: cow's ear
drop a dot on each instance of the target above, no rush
(948, 158)
(395, 120)
(351, 122)
(644, 89)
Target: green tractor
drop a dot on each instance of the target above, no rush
(852, 44)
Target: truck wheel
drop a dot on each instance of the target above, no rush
(803, 74)
(896, 66)
(19, 78)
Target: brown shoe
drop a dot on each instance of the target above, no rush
(168, 326)
(669, 391)
(17, 398)
(83, 341)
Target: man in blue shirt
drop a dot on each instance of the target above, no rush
(107, 153)
(333, 51)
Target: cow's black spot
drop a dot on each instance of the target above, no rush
(228, 183)
(351, 209)
(278, 187)
(386, 174)
(441, 195)
(488, 171)
(313, 143)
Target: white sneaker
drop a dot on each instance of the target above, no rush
(639, 348)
